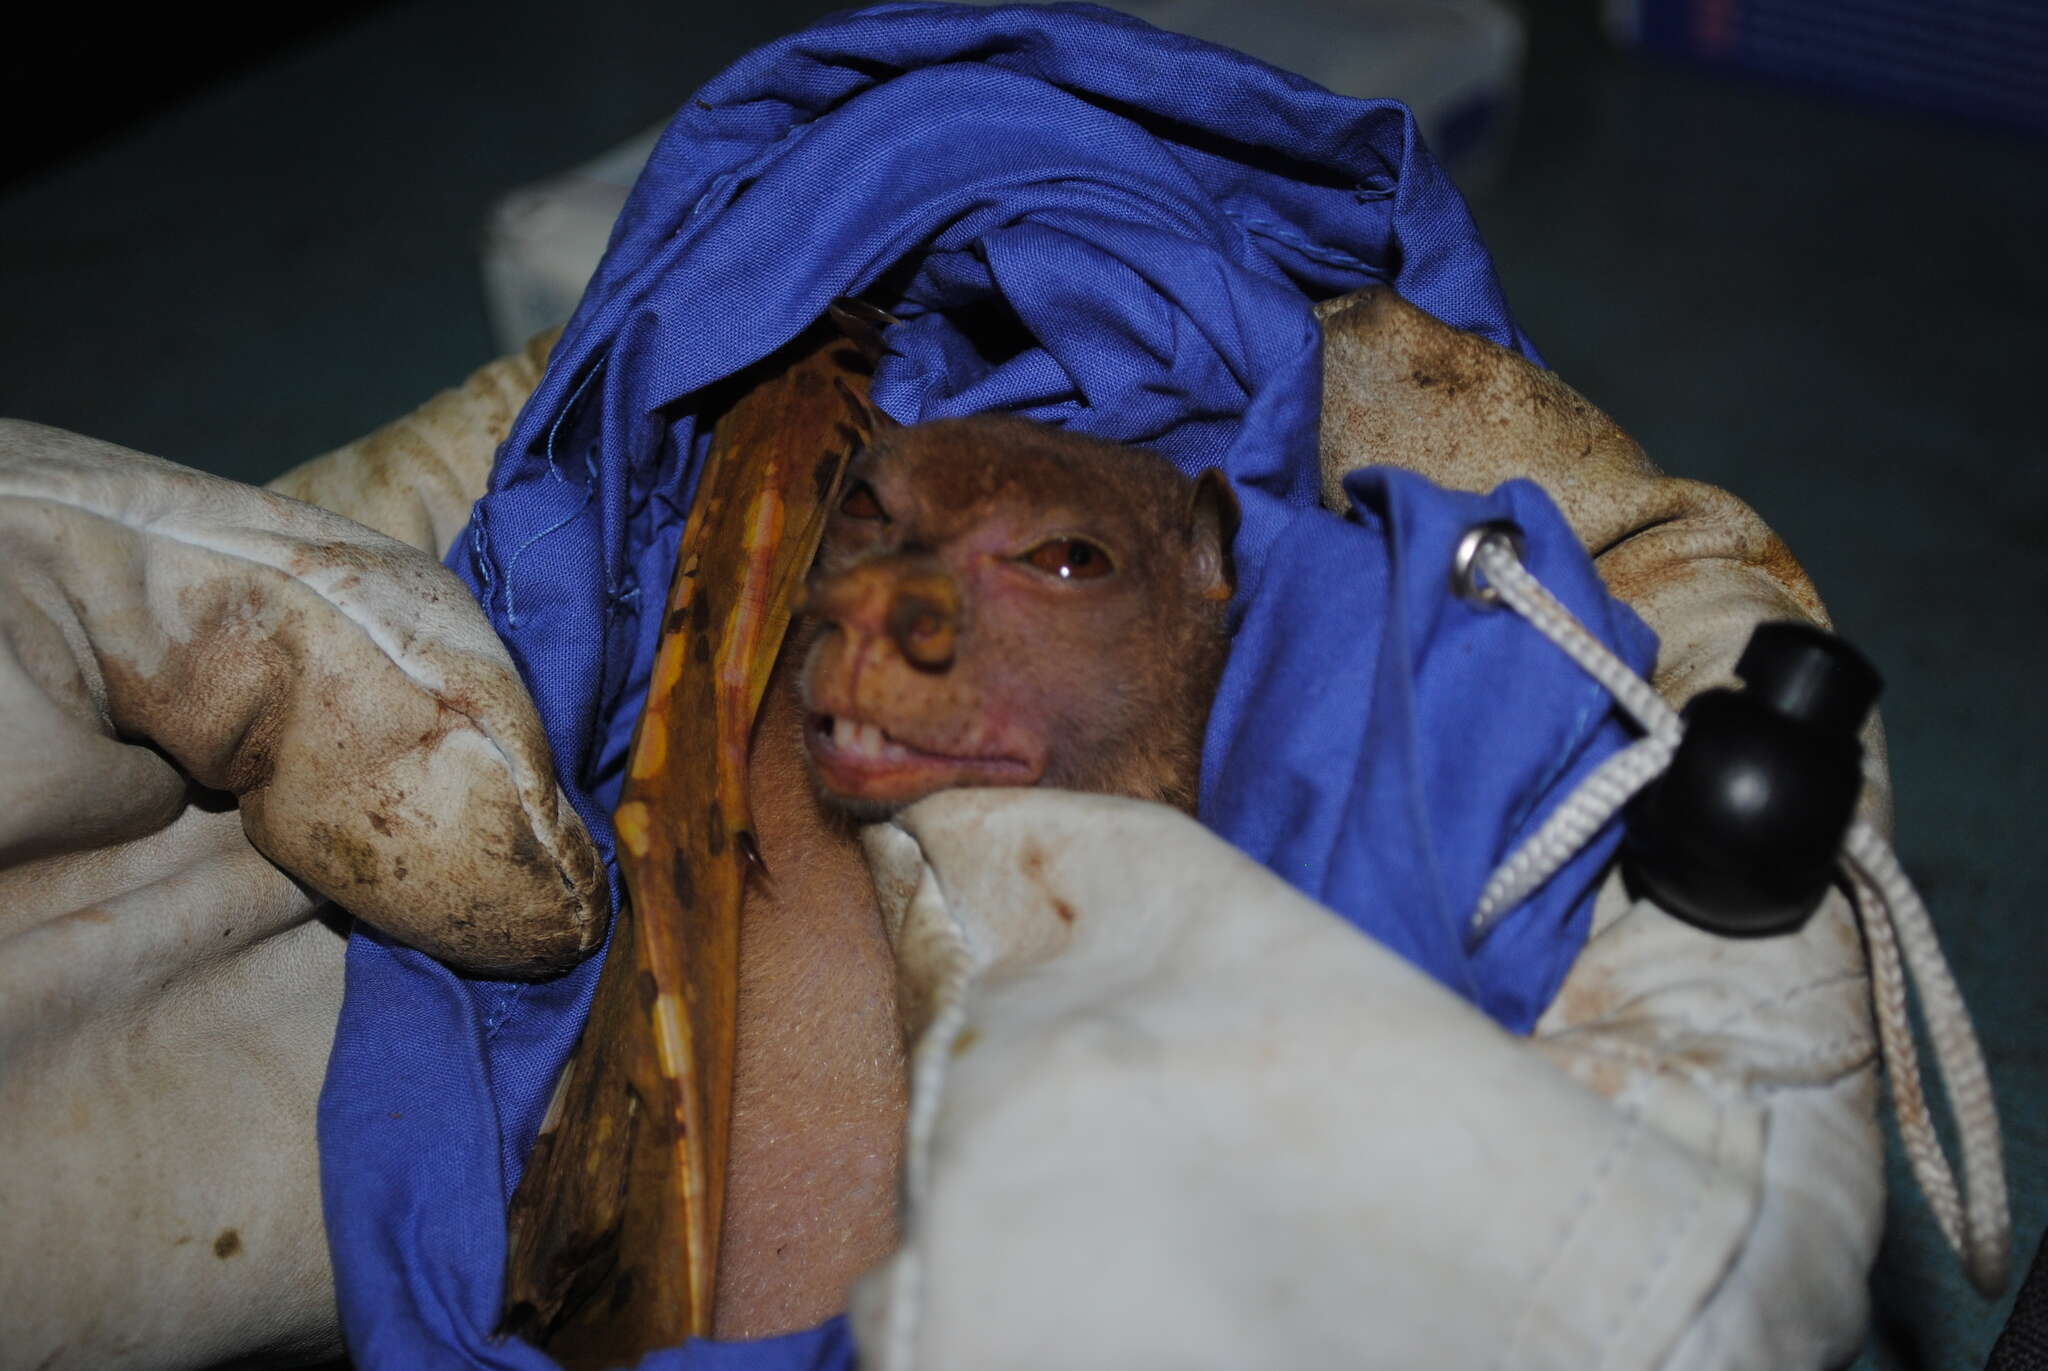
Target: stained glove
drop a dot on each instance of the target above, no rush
(221, 709)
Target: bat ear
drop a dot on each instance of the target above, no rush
(1211, 528)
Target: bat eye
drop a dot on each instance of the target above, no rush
(1070, 559)
(861, 503)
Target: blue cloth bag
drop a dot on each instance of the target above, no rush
(1083, 220)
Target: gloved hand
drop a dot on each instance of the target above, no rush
(220, 708)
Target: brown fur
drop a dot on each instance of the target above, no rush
(928, 624)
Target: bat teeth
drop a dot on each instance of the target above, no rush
(866, 741)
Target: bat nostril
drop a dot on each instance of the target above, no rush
(922, 630)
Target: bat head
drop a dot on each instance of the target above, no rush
(1001, 603)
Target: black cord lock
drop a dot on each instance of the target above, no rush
(1740, 835)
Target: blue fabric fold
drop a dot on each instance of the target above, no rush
(1386, 759)
(1089, 222)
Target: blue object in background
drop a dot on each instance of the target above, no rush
(1146, 219)
(1980, 59)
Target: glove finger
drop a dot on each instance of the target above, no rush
(343, 686)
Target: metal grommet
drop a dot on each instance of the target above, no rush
(1465, 561)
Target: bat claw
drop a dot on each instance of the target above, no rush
(750, 848)
(862, 323)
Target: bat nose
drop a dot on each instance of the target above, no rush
(911, 601)
(924, 622)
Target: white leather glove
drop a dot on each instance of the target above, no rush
(218, 708)
(1169, 1113)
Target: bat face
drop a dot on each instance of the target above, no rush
(999, 603)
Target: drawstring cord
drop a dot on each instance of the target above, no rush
(1974, 1218)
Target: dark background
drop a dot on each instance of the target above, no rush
(237, 248)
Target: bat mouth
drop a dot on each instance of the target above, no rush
(861, 763)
